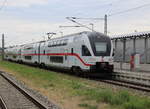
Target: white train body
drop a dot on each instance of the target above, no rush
(87, 51)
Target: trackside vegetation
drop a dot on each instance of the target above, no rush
(80, 93)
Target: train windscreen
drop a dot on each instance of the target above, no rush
(100, 47)
(100, 43)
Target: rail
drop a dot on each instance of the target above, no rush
(136, 78)
(28, 95)
(2, 104)
(130, 80)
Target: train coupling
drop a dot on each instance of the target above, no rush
(105, 66)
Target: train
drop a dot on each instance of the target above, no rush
(85, 51)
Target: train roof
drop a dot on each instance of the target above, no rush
(66, 36)
(84, 32)
(74, 34)
(132, 35)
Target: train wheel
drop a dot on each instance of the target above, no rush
(76, 70)
(42, 65)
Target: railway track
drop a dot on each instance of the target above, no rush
(135, 78)
(130, 80)
(14, 96)
(127, 84)
(2, 104)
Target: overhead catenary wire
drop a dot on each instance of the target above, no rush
(128, 10)
(71, 19)
(88, 18)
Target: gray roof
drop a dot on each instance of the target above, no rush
(136, 34)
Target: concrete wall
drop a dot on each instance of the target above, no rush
(140, 49)
(124, 49)
(148, 51)
(129, 50)
(118, 51)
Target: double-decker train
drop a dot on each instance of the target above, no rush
(85, 51)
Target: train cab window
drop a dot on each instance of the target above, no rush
(101, 47)
(85, 51)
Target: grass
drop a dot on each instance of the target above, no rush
(87, 106)
(66, 86)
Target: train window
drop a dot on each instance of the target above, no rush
(85, 51)
(61, 42)
(56, 59)
(28, 47)
(58, 43)
(101, 46)
(54, 43)
(65, 42)
(28, 57)
(49, 44)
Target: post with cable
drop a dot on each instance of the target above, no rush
(105, 24)
(3, 47)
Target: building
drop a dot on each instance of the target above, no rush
(128, 44)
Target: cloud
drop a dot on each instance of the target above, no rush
(31, 22)
(19, 31)
(25, 3)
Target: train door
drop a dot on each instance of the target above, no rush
(66, 58)
(35, 52)
(74, 58)
(39, 52)
(76, 52)
(74, 55)
(43, 57)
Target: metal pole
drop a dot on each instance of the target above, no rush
(146, 48)
(124, 50)
(3, 47)
(134, 45)
(105, 24)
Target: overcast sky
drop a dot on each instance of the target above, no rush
(25, 21)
